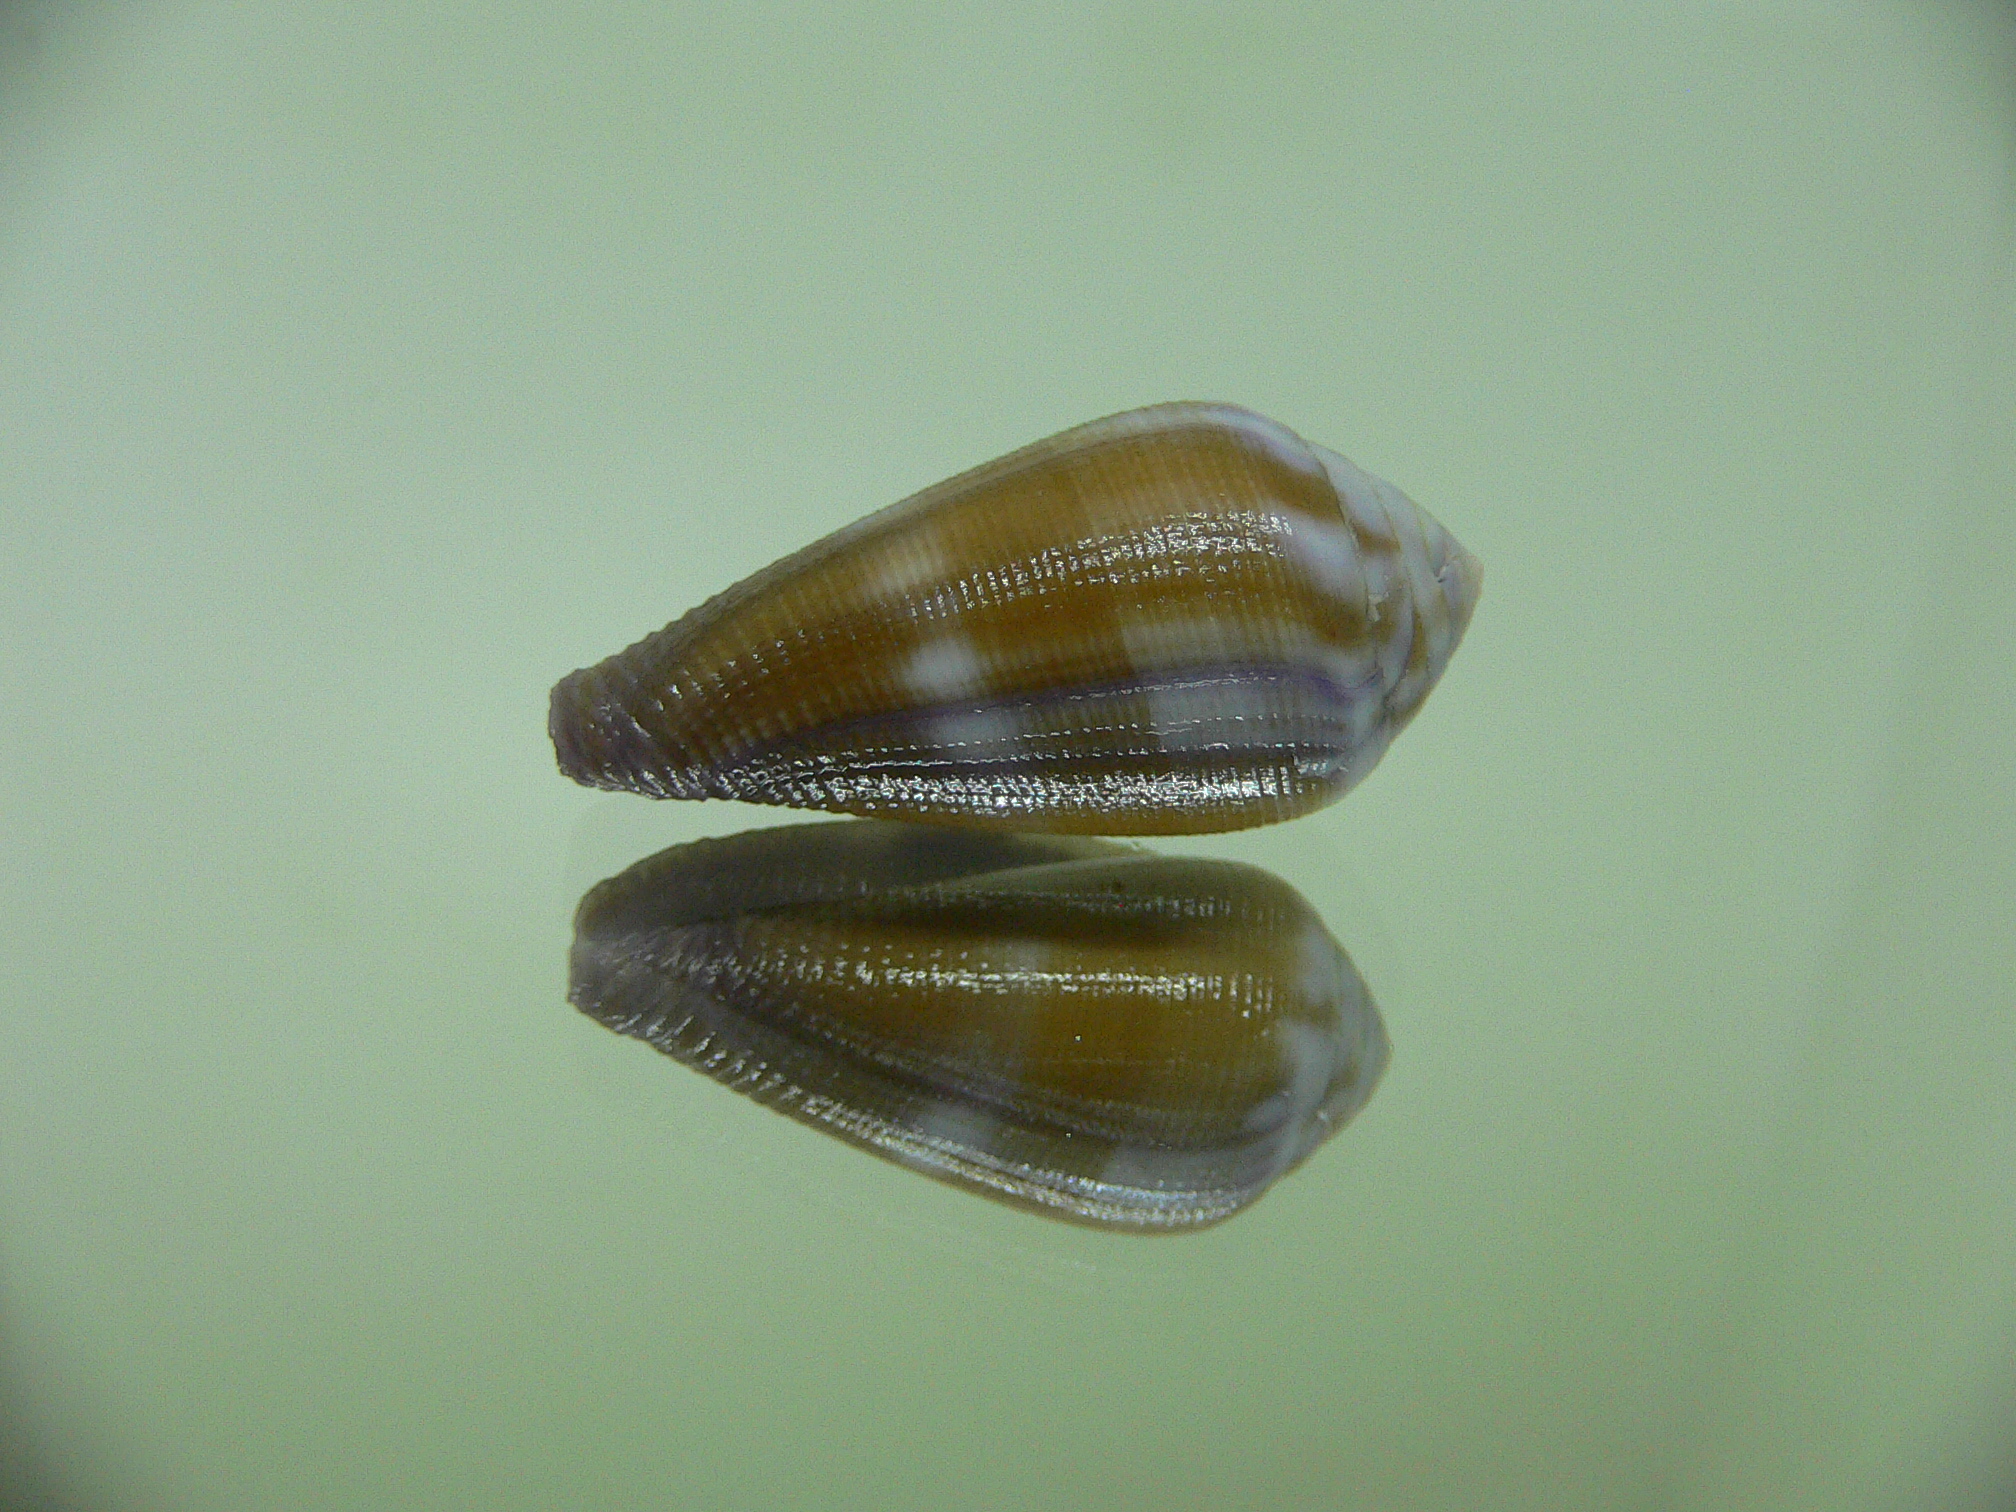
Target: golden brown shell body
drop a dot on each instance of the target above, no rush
(1179, 619)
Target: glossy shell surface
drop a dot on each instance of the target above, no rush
(1099, 1034)
(1179, 619)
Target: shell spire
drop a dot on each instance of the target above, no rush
(1179, 619)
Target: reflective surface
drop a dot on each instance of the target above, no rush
(1089, 1031)
(365, 370)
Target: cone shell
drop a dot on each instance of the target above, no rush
(1099, 1034)
(1180, 619)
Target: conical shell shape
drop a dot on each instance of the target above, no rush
(1179, 619)
(1099, 1034)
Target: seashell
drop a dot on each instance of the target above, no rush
(1180, 619)
(1090, 1031)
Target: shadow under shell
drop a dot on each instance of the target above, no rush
(1091, 1031)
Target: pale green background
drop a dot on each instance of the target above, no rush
(365, 367)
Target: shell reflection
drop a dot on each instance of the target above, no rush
(1180, 619)
(1088, 1030)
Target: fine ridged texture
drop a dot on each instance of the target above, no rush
(1179, 619)
(1099, 1034)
